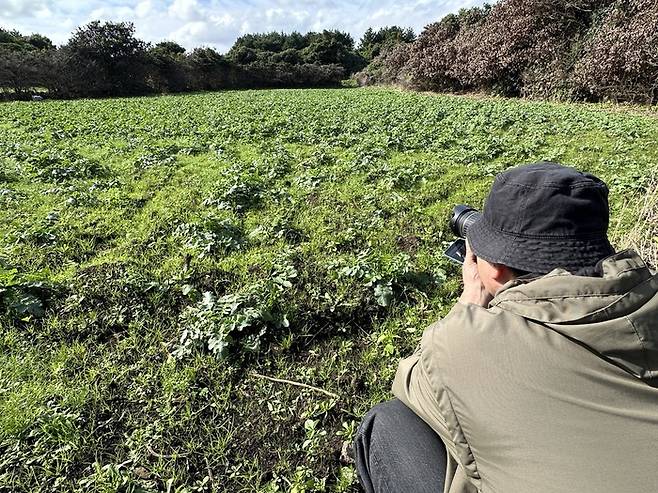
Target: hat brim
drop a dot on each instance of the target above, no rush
(536, 255)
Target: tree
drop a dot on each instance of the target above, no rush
(209, 69)
(290, 56)
(273, 42)
(167, 67)
(333, 47)
(498, 49)
(620, 56)
(294, 41)
(23, 71)
(325, 48)
(14, 40)
(373, 43)
(243, 55)
(109, 58)
(11, 40)
(169, 48)
(40, 42)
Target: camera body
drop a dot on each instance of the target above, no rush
(463, 217)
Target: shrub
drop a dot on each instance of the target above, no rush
(517, 36)
(581, 49)
(620, 59)
(431, 56)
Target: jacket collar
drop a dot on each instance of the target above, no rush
(560, 296)
(613, 315)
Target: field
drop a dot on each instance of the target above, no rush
(159, 256)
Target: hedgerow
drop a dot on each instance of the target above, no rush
(581, 49)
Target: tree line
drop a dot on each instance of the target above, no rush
(107, 59)
(590, 50)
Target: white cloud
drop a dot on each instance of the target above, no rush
(272, 13)
(111, 14)
(23, 8)
(43, 13)
(186, 10)
(300, 15)
(223, 20)
(143, 8)
(218, 23)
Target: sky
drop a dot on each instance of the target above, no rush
(218, 23)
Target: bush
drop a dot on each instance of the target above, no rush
(620, 59)
(387, 68)
(431, 56)
(581, 49)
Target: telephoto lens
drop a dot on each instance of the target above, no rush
(463, 217)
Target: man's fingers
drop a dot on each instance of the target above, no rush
(470, 256)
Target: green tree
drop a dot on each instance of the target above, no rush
(169, 48)
(209, 69)
(294, 41)
(40, 42)
(23, 71)
(14, 40)
(290, 56)
(373, 43)
(243, 55)
(167, 67)
(333, 47)
(108, 58)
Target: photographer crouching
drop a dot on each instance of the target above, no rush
(544, 376)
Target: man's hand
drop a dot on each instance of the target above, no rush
(474, 291)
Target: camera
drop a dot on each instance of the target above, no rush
(463, 217)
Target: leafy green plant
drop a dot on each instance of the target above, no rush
(314, 436)
(221, 237)
(21, 299)
(239, 196)
(239, 320)
(60, 165)
(161, 157)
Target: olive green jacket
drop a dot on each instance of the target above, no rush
(552, 388)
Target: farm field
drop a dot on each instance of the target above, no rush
(160, 256)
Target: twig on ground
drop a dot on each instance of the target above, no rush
(297, 384)
(210, 476)
(163, 456)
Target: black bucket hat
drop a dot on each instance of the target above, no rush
(542, 216)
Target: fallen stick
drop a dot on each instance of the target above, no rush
(297, 384)
(163, 456)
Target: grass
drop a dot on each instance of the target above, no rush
(157, 252)
(643, 236)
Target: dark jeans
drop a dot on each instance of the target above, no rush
(395, 451)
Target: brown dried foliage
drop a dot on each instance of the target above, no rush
(620, 59)
(575, 49)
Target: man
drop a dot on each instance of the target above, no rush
(544, 376)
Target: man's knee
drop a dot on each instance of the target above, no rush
(382, 417)
(395, 450)
(372, 441)
(375, 429)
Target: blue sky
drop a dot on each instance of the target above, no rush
(218, 23)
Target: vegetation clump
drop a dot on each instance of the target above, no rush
(578, 50)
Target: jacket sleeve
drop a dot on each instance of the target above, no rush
(419, 385)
